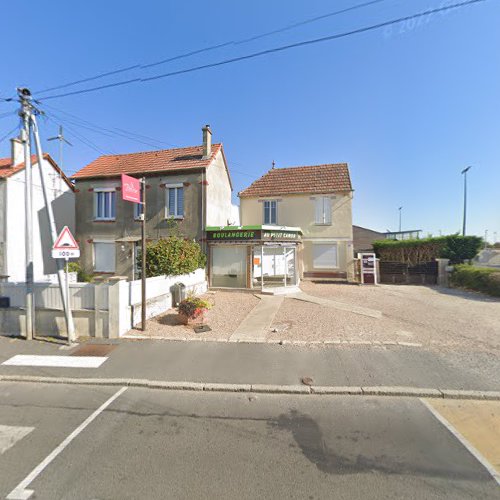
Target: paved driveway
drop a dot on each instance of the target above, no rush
(435, 317)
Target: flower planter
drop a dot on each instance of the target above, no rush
(196, 320)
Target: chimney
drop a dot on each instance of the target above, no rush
(17, 149)
(207, 141)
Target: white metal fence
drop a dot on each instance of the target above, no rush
(100, 309)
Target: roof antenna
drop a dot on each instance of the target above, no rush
(274, 164)
(60, 137)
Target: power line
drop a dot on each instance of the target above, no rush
(212, 47)
(261, 53)
(8, 134)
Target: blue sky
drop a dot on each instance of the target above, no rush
(407, 107)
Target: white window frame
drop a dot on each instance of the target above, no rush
(330, 244)
(103, 190)
(168, 215)
(109, 242)
(275, 223)
(326, 214)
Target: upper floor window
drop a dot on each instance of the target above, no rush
(105, 204)
(323, 210)
(270, 212)
(175, 201)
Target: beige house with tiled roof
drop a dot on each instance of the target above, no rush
(188, 188)
(318, 199)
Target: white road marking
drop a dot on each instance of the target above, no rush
(471, 449)
(20, 492)
(10, 435)
(56, 361)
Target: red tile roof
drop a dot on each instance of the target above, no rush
(148, 162)
(6, 170)
(330, 178)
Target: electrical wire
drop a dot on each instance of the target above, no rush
(261, 53)
(10, 132)
(212, 47)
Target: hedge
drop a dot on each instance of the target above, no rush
(454, 247)
(172, 256)
(480, 279)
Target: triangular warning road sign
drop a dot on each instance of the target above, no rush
(65, 240)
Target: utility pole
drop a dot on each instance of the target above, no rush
(28, 113)
(400, 208)
(143, 255)
(60, 137)
(25, 114)
(485, 239)
(464, 173)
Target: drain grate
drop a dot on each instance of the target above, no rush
(202, 328)
(93, 350)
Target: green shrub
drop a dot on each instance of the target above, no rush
(172, 256)
(82, 276)
(454, 247)
(480, 279)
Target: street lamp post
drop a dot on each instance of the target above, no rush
(464, 172)
(400, 208)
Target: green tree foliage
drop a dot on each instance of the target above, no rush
(454, 247)
(480, 279)
(172, 256)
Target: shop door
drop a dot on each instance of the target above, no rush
(229, 267)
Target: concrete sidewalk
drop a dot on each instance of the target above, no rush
(241, 363)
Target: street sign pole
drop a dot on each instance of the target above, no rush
(143, 255)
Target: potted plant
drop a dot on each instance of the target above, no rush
(192, 311)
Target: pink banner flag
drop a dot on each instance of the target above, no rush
(131, 189)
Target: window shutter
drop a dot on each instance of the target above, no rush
(325, 256)
(171, 202)
(318, 212)
(327, 209)
(180, 202)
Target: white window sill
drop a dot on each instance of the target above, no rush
(175, 217)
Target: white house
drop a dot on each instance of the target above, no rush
(12, 214)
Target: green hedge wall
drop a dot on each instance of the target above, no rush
(454, 247)
(480, 279)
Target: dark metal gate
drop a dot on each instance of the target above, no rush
(425, 273)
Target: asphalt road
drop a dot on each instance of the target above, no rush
(274, 364)
(60, 443)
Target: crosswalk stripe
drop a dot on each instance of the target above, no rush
(56, 361)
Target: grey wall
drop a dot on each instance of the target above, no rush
(3, 227)
(125, 225)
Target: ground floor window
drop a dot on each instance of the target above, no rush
(229, 266)
(104, 257)
(325, 255)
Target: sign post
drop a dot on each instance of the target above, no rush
(134, 190)
(65, 247)
(368, 268)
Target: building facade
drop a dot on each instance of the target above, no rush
(318, 200)
(12, 214)
(186, 190)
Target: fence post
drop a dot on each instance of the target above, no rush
(442, 278)
(100, 314)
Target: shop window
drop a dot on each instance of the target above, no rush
(104, 257)
(325, 255)
(270, 212)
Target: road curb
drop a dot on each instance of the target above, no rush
(391, 391)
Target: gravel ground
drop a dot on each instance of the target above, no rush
(436, 317)
(227, 312)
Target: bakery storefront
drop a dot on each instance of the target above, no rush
(262, 257)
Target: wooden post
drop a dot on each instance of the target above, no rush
(143, 245)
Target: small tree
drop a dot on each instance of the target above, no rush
(172, 256)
